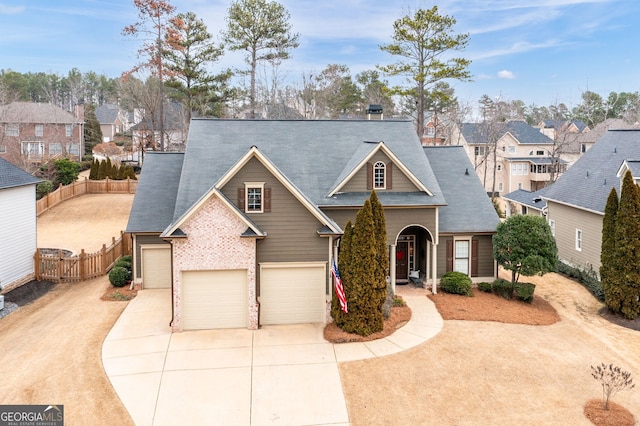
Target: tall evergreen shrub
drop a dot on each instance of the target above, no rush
(344, 267)
(608, 253)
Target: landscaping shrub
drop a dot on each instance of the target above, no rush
(589, 279)
(524, 291)
(124, 263)
(118, 276)
(456, 283)
(503, 288)
(43, 188)
(486, 287)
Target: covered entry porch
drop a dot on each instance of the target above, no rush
(413, 257)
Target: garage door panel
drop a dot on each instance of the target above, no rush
(156, 267)
(214, 299)
(292, 295)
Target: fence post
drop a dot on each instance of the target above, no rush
(104, 259)
(107, 183)
(83, 265)
(37, 264)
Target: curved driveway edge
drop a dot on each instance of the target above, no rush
(274, 375)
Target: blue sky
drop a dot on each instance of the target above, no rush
(543, 52)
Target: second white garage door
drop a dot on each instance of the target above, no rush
(156, 266)
(292, 293)
(214, 299)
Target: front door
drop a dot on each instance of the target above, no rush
(402, 261)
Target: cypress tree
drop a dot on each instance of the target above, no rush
(627, 276)
(608, 253)
(93, 172)
(102, 170)
(92, 130)
(383, 294)
(344, 264)
(365, 316)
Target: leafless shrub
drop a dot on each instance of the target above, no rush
(613, 379)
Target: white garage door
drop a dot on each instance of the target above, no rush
(214, 299)
(156, 267)
(292, 293)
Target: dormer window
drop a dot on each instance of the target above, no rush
(379, 172)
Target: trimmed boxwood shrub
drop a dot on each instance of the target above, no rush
(525, 291)
(503, 288)
(486, 287)
(124, 263)
(118, 276)
(456, 283)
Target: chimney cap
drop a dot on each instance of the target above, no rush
(374, 109)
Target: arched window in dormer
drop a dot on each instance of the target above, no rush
(379, 171)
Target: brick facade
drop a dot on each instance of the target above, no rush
(213, 243)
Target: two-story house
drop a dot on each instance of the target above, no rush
(32, 133)
(510, 156)
(245, 224)
(113, 120)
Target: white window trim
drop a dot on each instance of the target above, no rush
(383, 167)
(552, 225)
(579, 238)
(12, 130)
(468, 240)
(253, 185)
(68, 130)
(39, 130)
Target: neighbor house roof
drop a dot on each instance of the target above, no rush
(152, 209)
(12, 176)
(530, 199)
(107, 113)
(468, 208)
(479, 133)
(37, 113)
(311, 154)
(587, 184)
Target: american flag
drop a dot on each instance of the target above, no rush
(339, 288)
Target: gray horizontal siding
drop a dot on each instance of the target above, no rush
(291, 228)
(400, 183)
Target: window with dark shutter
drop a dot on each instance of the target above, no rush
(267, 200)
(449, 255)
(474, 258)
(241, 198)
(369, 176)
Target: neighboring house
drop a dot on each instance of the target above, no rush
(435, 131)
(113, 120)
(32, 133)
(553, 128)
(519, 155)
(146, 134)
(525, 202)
(576, 202)
(18, 213)
(245, 224)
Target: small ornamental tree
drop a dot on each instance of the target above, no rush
(627, 242)
(66, 171)
(608, 253)
(613, 380)
(523, 244)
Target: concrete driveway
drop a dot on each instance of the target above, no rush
(284, 375)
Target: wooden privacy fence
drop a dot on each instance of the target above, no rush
(86, 186)
(60, 268)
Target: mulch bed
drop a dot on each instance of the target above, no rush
(29, 292)
(399, 316)
(119, 294)
(616, 415)
(619, 319)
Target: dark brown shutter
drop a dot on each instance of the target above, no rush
(241, 198)
(449, 255)
(474, 258)
(369, 176)
(267, 200)
(390, 175)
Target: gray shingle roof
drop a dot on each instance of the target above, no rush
(154, 202)
(107, 113)
(477, 133)
(530, 199)
(468, 208)
(311, 154)
(588, 182)
(12, 176)
(32, 112)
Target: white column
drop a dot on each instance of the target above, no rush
(434, 267)
(392, 266)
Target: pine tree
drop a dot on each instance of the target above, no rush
(627, 276)
(608, 253)
(383, 291)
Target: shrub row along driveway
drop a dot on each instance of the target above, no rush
(489, 373)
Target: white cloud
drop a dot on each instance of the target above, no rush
(507, 75)
(10, 10)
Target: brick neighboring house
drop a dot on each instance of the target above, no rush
(32, 133)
